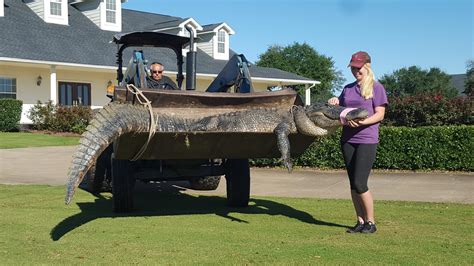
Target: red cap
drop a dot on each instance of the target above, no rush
(359, 59)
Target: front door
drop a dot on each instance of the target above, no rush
(72, 93)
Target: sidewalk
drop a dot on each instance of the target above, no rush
(49, 165)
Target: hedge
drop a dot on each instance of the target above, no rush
(429, 109)
(59, 118)
(10, 114)
(427, 148)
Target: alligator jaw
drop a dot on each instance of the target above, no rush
(330, 115)
(358, 113)
(108, 125)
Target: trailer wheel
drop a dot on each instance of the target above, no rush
(123, 183)
(99, 179)
(96, 181)
(238, 182)
(205, 183)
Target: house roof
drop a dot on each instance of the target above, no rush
(212, 27)
(26, 36)
(458, 81)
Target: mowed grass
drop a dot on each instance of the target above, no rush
(171, 227)
(24, 140)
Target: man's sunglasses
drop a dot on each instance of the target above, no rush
(156, 72)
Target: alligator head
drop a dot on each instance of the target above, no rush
(320, 119)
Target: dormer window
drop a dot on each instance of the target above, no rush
(110, 11)
(55, 7)
(107, 14)
(51, 11)
(214, 40)
(221, 41)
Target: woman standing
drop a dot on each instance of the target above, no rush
(359, 139)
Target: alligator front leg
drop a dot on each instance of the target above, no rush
(282, 131)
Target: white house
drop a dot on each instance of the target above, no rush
(60, 50)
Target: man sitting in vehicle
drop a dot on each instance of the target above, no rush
(158, 80)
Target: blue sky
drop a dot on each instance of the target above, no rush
(396, 33)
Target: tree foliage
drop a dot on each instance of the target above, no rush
(303, 60)
(469, 85)
(414, 80)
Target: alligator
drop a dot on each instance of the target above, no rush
(116, 119)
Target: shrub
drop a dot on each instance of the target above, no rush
(42, 115)
(429, 110)
(10, 114)
(60, 118)
(428, 148)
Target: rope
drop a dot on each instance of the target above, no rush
(143, 100)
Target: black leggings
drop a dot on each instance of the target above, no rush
(359, 159)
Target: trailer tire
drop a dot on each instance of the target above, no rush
(123, 183)
(205, 183)
(238, 182)
(96, 181)
(99, 179)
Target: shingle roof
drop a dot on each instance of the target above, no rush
(458, 81)
(165, 24)
(209, 27)
(27, 36)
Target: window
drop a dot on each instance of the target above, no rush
(221, 42)
(55, 7)
(74, 93)
(7, 87)
(186, 32)
(110, 10)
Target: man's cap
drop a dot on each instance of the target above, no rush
(359, 59)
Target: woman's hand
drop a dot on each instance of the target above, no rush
(375, 118)
(333, 101)
(355, 123)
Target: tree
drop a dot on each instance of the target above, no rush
(469, 84)
(414, 80)
(303, 60)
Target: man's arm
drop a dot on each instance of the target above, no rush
(170, 84)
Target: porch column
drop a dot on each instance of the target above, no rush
(307, 94)
(2, 9)
(53, 93)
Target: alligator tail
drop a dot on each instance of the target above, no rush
(107, 125)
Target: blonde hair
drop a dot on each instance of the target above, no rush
(367, 84)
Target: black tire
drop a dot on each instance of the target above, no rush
(238, 182)
(205, 183)
(123, 183)
(95, 178)
(99, 177)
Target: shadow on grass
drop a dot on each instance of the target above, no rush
(162, 199)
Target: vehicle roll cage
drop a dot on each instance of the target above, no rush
(152, 39)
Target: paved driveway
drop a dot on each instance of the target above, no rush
(49, 165)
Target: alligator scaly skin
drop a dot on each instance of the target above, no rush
(116, 119)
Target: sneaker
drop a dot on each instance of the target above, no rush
(369, 228)
(356, 228)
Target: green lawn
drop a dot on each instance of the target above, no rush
(25, 140)
(170, 227)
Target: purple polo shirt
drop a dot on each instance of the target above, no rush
(350, 97)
